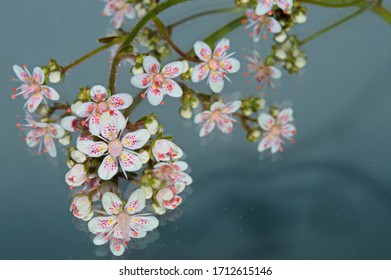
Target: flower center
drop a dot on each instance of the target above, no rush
(213, 64)
(158, 79)
(123, 220)
(102, 107)
(35, 87)
(276, 130)
(119, 4)
(115, 148)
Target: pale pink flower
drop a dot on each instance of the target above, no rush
(122, 222)
(119, 9)
(172, 172)
(76, 176)
(219, 114)
(159, 83)
(275, 129)
(262, 72)
(216, 65)
(100, 104)
(116, 150)
(266, 6)
(33, 87)
(259, 23)
(165, 150)
(82, 207)
(168, 198)
(43, 133)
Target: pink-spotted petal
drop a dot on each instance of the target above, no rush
(142, 80)
(273, 25)
(201, 117)
(276, 145)
(231, 65)
(21, 73)
(225, 123)
(285, 116)
(216, 81)
(56, 130)
(85, 109)
(207, 128)
(50, 93)
(98, 93)
(203, 51)
(93, 124)
(120, 101)
(151, 65)
(135, 140)
(231, 107)
(136, 202)
(264, 6)
(91, 148)
(288, 130)
(217, 106)
(109, 9)
(49, 145)
(111, 203)
(221, 48)
(100, 239)
(257, 31)
(108, 126)
(275, 73)
(200, 72)
(172, 88)
(108, 168)
(266, 121)
(117, 246)
(155, 95)
(118, 19)
(173, 69)
(145, 223)
(38, 75)
(69, 123)
(101, 224)
(33, 102)
(284, 4)
(129, 11)
(33, 137)
(130, 161)
(265, 143)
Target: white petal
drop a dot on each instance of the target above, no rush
(266, 121)
(33, 102)
(56, 130)
(273, 25)
(91, 148)
(129, 11)
(130, 161)
(136, 202)
(221, 48)
(274, 72)
(108, 168)
(98, 93)
(155, 95)
(120, 101)
(284, 4)
(111, 203)
(173, 69)
(202, 50)
(172, 88)
(101, 224)
(231, 65)
(151, 65)
(118, 19)
(49, 145)
(232, 107)
(288, 130)
(264, 6)
(285, 116)
(108, 126)
(69, 123)
(145, 223)
(38, 75)
(21, 73)
(85, 110)
(200, 72)
(142, 80)
(135, 140)
(216, 81)
(93, 124)
(225, 124)
(207, 128)
(201, 117)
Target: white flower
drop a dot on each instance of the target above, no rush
(120, 9)
(55, 77)
(259, 23)
(219, 113)
(172, 172)
(261, 72)
(275, 129)
(165, 150)
(265, 6)
(92, 111)
(168, 198)
(78, 156)
(76, 176)
(43, 133)
(116, 150)
(33, 88)
(122, 222)
(216, 65)
(82, 207)
(159, 83)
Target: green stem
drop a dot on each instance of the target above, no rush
(383, 12)
(132, 35)
(211, 12)
(163, 32)
(90, 54)
(332, 26)
(340, 4)
(219, 33)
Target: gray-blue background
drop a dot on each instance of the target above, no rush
(326, 197)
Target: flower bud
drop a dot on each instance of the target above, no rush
(259, 104)
(185, 66)
(78, 156)
(75, 105)
(247, 111)
(186, 112)
(70, 163)
(82, 207)
(155, 183)
(148, 191)
(55, 77)
(144, 155)
(42, 110)
(254, 135)
(300, 17)
(194, 102)
(137, 70)
(300, 62)
(152, 125)
(76, 176)
(280, 37)
(281, 54)
(158, 209)
(66, 140)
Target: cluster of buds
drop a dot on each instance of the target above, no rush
(252, 105)
(244, 3)
(150, 123)
(189, 101)
(289, 54)
(143, 6)
(53, 71)
(288, 19)
(153, 41)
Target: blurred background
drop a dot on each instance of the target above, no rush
(326, 197)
